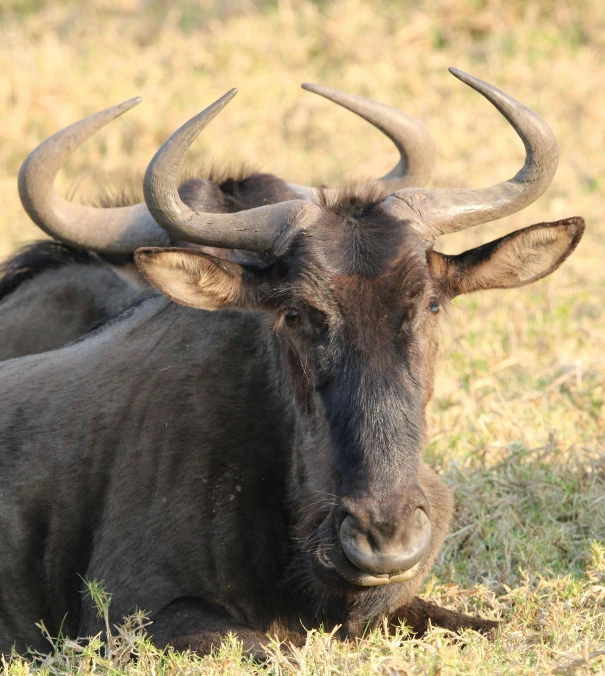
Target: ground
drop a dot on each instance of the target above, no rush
(517, 422)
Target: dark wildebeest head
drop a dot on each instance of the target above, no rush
(354, 289)
(51, 293)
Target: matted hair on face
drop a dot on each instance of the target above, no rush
(353, 198)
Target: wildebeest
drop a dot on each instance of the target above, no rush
(52, 293)
(255, 465)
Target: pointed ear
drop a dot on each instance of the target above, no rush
(200, 280)
(514, 260)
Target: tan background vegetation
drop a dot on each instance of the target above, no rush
(517, 422)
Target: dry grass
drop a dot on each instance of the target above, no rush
(517, 420)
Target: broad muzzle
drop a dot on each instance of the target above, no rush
(384, 539)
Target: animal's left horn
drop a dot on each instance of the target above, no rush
(116, 230)
(450, 210)
(267, 228)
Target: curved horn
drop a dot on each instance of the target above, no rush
(116, 230)
(411, 137)
(451, 210)
(266, 228)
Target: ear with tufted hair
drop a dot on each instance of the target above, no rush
(200, 280)
(517, 259)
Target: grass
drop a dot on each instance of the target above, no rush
(517, 421)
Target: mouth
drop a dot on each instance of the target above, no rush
(353, 575)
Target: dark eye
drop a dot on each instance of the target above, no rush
(434, 306)
(292, 317)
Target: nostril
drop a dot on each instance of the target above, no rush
(370, 550)
(353, 538)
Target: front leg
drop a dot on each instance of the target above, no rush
(194, 624)
(418, 613)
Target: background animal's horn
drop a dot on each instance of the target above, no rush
(412, 138)
(265, 228)
(450, 210)
(116, 230)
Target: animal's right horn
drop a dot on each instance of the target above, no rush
(114, 230)
(268, 228)
(413, 140)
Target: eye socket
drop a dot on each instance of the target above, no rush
(434, 306)
(291, 317)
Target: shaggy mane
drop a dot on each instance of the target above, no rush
(129, 190)
(350, 198)
(219, 174)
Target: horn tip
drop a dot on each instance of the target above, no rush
(315, 88)
(476, 83)
(213, 110)
(131, 103)
(460, 74)
(225, 98)
(122, 108)
(327, 92)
